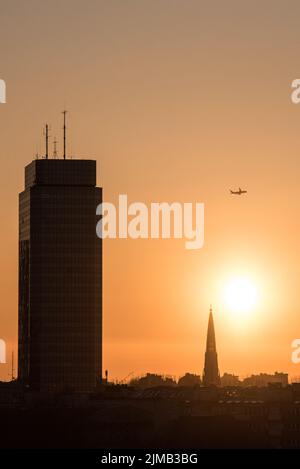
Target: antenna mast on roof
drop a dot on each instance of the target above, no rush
(65, 129)
(55, 148)
(46, 133)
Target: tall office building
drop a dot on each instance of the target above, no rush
(211, 375)
(60, 277)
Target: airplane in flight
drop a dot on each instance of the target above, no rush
(239, 192)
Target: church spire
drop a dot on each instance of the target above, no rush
(211, 376)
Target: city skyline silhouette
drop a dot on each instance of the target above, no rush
(149, 239)
(184, 104)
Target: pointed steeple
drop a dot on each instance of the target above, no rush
(211, 376)
(211, 338)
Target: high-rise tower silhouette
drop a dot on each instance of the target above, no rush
(60, 276)
(211, 376)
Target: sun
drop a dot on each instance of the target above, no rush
(240, 296)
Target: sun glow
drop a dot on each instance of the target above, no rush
(240, 296)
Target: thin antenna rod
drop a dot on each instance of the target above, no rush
(65, 132)
(47, 141)
(55, 148)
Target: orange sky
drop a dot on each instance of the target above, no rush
(177, 101)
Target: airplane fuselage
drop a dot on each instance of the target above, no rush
(239, 192)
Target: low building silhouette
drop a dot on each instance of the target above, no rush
(230, 380)
(263, 379)
(189, 379)
(151, 380)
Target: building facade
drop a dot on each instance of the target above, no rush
(60, 277)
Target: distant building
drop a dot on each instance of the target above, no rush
(264, 379)
(60, 277)
(151, 380)
(211, 375)
(189, 379)
(230, 380)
